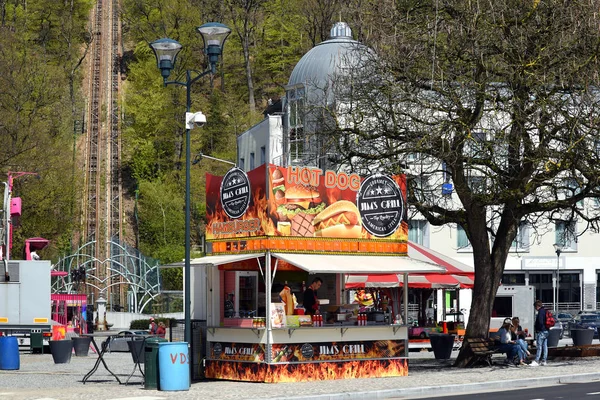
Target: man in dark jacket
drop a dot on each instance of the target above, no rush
(541, 335)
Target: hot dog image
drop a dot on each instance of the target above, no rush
(278, 185)
(341, 219)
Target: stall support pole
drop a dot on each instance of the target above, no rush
(268, 304)
(405, 298)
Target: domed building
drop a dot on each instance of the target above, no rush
(291, 137)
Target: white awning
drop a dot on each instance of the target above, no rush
(347, 264)
(216, 260)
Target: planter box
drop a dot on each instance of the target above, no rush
(81, 346)
(582, 336)
(61, 350)
(553, 337)
(442, 345)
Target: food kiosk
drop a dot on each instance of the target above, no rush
(300, 223)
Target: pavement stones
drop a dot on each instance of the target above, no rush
(40, 378)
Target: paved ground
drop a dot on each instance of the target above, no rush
(40, 378)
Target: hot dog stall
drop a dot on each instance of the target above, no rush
(270, 232)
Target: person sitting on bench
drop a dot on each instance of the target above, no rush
(508, 346)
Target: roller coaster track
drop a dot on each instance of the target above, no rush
(102, 209)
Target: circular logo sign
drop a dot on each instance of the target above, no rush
(307, 351)
(217, 349)
(381, 206)
(235, 193)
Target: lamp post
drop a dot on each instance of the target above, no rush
(214, 35)
(558, 250)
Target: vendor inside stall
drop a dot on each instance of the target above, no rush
(311, 301)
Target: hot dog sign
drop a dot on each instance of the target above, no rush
(310, 202)
(305, 202)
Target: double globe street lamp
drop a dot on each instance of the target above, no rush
(214, 35)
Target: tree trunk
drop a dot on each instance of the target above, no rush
(249, 81)
(489, 266)
(487, 279)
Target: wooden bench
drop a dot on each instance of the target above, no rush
(483, 349)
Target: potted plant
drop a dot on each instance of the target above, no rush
(61, 350)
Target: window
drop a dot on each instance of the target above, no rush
(513, 279)
(476, 147)
(521, 242)
(413, 157)
(462, 242)
(476, 184)
(251, 161)
(418, 232)
(566, 235)
(241, 163)
(263, 155)
(420, 186)
(572, 189)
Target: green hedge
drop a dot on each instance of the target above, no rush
(143, 324)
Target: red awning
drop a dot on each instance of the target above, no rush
(434, 281)
(453, 267)
(458, 275)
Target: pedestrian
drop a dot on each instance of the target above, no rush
(161, 330)
(508, 346)
(541, 335)
(152, 327)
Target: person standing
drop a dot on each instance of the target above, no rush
(161, 330)
(152, 328)
(541, 335)
(311, 301)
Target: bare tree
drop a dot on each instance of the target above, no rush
(246, 15)
(492, 109)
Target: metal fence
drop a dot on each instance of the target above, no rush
(197, 346)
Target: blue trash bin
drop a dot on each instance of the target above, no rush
(174, 366)
(9, 353)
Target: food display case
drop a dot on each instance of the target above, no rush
(280, 347)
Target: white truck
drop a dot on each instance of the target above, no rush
(514, 301)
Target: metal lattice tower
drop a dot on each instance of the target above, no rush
(127, 270)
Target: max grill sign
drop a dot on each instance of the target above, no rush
(381, 206)
(235, 193)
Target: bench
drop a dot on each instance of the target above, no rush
(483, 349)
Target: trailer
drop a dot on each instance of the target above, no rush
(514, 301)
(25, 302)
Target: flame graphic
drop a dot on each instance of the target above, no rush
(256, 211)
(303, 372)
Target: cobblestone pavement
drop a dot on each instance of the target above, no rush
(39, 378)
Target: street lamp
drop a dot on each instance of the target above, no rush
(201, 155)
(214, 35)
(558, 250)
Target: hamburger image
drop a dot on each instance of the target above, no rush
(301, 205)
(278, 186)
(341, 220)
